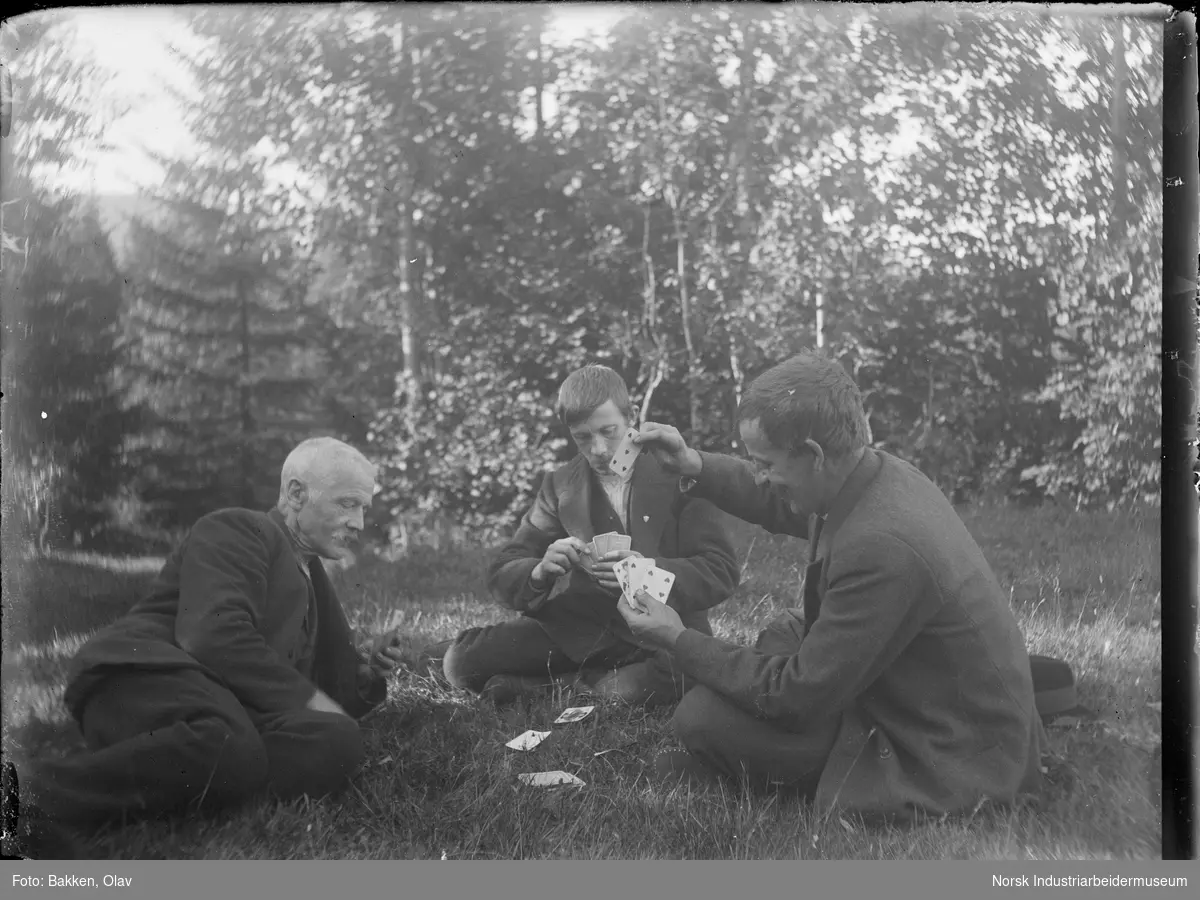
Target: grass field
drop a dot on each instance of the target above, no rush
(439, 782)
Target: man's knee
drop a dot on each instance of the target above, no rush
(460, 664)
(345, 745)
(239, 759)
(629, 685)
(699, 717)
(339, 749)
(640, 684)
(317, 757)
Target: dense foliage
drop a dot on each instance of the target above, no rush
(405, 226)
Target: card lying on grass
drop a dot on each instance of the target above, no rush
(636, 575)
(549, 779)
(574, 714)
(528, 740)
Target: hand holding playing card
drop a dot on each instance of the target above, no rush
(655, 622)
(386, 654)
(604, 570)
(669, 448)
(559, 558)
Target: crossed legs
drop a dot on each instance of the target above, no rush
(158, 741)
(520, 648)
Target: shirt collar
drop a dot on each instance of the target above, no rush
(304, 559)
(616, 478)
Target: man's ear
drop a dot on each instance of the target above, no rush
(818, 454)
(297, 493)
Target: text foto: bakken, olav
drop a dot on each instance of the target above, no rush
(80, 881)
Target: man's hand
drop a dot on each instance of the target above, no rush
(603, 570)
(322, 702)
(560, 557)
(659, 624)
(386, 654)
(669, 448)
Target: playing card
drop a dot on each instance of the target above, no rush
(621, 570)
(620, 542)
(385, 640)
(549, 779)
(657, 583)
(528, 740)
(636, 572)
(574, 714)
(627, 453)
(601, 542)
(633, 601)
(587, 559)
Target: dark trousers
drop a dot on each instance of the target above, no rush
(521, 647)
(158, 741)
(770, 753)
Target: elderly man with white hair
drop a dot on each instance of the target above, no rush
(236, 674)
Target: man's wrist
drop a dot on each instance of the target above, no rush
(673, 636)
(689, 473)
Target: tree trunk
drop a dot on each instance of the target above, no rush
(676, 201)
(245, 399)
(408, 301)
(742, 173)
(927, 431)
(820, 326)
(658, 364)
(1117, 117)
(685, 312)
(539, 83)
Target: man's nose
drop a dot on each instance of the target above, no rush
(356, 521)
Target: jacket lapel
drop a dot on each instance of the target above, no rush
(277, 517)
(575, 500)
(651, 494)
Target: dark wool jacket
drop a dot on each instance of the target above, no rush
(233, 601)
(683, 535)
(915, 648)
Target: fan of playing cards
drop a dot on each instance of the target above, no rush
(635, 575)
(603, 544)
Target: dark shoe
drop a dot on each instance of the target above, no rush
(679, 766)
(429, 662)
(503, 690)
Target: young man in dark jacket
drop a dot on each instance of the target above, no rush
(569, 624)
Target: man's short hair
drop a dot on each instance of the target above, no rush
(317, 456)
(810, 396)
(586, 390)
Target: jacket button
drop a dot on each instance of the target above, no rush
(885, 752)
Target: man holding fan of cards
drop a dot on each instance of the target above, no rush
(606, 521)
(904, 684)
